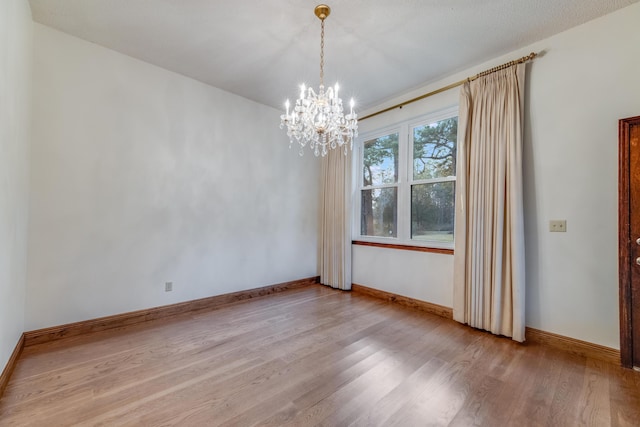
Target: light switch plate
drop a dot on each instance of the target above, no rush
(558, 225)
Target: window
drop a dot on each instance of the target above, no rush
(379, 196)
(406, 180)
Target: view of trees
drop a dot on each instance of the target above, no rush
(432, 203)
(434, 149)
(379, 212)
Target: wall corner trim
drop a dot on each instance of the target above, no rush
(11, 364)
(533, 336)
(428, 307)
(53, 333)
(573, 345)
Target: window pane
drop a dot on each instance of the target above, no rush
(380, 161)
(434, 149)
(432, 211)
(379, 212)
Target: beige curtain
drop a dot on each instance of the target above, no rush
(335, 233)
(489, 273)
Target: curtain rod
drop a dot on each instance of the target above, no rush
(527, 58)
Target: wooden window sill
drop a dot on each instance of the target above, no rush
(404, 247)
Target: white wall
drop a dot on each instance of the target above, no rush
(141, 176)
(586, 79)
(15, 86)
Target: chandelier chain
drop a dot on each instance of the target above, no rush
(322, 53)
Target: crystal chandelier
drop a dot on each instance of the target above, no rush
(318, 119)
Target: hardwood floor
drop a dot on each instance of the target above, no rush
(312, 356)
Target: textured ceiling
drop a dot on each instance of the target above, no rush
(263, 49)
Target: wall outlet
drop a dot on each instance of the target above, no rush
(168, 286)
(558, 225)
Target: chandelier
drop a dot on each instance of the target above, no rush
(318, 119)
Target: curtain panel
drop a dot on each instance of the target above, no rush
(335, 211)
(489, 266)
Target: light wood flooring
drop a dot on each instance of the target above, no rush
(312, 356)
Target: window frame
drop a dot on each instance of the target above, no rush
(359, 149)
(404, 183)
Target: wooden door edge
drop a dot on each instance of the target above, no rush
(624, 239)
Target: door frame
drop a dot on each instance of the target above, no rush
(624, 239)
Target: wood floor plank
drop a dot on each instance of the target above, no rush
(529, 398)
(370, 385)
(624, 397)
(280, 408)
(595, 408)
(315, 371)
(442, 397)
(312, 356)
(568, 390)
(396, 398)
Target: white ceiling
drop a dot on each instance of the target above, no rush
(263, 49)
